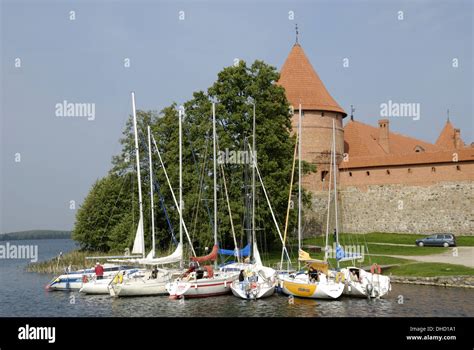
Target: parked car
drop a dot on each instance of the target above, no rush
(438, 240)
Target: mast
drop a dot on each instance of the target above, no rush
(215, 170)
(299, 183)
(151, 195)
(172, 195)
(137, 154)
(335, 181)
(180, 183)
(254, 161)
(326, 246)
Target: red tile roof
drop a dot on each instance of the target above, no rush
(361, 142)
(303, 85)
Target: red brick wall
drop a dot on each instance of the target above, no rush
(419, 175)
(317, 135)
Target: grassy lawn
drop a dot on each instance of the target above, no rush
(465, 241)
(380, 237)
(397, 250)
(430, 270)
(406, 267)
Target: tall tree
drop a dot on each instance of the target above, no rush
(235, 91)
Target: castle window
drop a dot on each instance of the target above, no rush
(433, 169)
(368, 173)
(409, 170)
(388, 172)
(322, 114)
(323, 175)
(350, 173)
(418, 149)
(458, 167)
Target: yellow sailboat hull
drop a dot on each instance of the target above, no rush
(300, 289)
(317, 290)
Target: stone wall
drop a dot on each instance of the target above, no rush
(442, 207)
(442, 281)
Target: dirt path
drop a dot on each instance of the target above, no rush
(465, 256)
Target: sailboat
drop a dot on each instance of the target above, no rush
(76, 280)
(318, 282)
(357, 281)
(255, 280)
(153, 282)
(203, 281)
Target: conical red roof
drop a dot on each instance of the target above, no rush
(303, 85)
(446, 138)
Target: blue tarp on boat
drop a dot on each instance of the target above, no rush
(242, 252)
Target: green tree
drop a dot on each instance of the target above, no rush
(236, 88)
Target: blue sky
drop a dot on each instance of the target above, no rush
(83, 61)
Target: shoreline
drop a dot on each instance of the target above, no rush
(439, 281)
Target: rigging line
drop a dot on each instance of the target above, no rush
(201, 181)
(289, 198)
(326, 246)
(157, 186)
(228, 206)
(366, 247)
(172, 193)
(155, 183)
(188, 133)
(268, 201)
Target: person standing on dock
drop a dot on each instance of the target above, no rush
(99, 271)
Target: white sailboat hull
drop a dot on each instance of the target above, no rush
(144, 286)
(249, 292)
(139, 288)
(76, 279)
(96, 287)
(369, 285)
(261, 284)
(201, 288)
(301, 287)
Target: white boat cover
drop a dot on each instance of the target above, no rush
(170, 259)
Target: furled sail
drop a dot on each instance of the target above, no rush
(256, 256)
(176, 256)
(209, 257)
(139, 238)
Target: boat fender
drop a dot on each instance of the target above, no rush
(340, 277)
(85, 279)
(369, 289)
(375, 268)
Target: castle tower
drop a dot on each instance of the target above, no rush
(303, 85)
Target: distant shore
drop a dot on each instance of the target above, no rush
(35, 234)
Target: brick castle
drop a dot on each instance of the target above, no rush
(388, 182)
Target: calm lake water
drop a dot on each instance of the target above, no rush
(23, 294)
